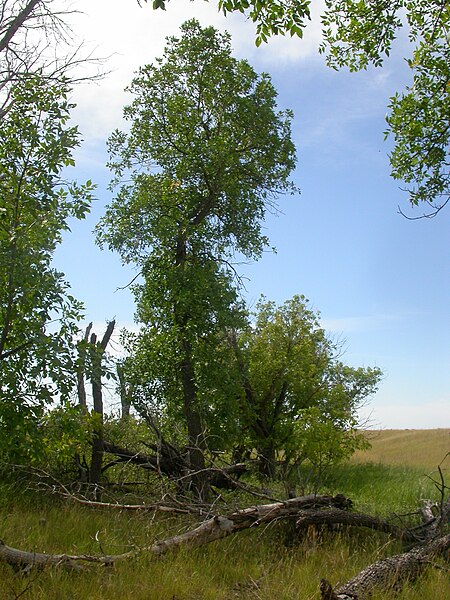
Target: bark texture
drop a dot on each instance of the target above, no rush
(336, 516)
(387, 574)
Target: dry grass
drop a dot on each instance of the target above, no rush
(256, 564)
(249, 566)
(418, 448)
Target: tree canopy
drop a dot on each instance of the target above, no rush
(295, 388)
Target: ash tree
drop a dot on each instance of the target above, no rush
(299, 401)
(206, 155)
(38, 316)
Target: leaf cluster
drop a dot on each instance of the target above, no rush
(37, 314)
(276, 17)
(206, 143)
(295, 384)
(357, 34)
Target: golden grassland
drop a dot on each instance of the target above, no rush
(420, 448)
(265, 563)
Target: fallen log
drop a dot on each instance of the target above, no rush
(23, 560)
(387, 574)
(219, 526)
(336, 516)
(215, 528)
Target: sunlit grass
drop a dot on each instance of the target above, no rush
(381, 489)
(420, 448)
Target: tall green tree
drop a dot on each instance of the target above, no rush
(295, 386)
(357, 34)
(37, 314)
(206, 154)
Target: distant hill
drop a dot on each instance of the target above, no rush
(425, 448)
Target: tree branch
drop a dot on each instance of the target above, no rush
(17, 23)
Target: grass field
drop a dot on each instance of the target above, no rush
(266, 563)
(421, 448)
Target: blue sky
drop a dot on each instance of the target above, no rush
(381, 282)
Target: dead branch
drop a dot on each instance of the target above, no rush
(170, 462)
(336, 516)
(36, 39)
(433, 525)
(133, 507)
(156, 506)
(168, 504)
(212, 529)
(386, 574)
(20, 559)
(146, 461)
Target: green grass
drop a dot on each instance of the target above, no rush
(265, 563)
(381, 489)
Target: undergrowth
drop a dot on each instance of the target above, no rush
(266, 563)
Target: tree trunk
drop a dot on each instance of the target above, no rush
(196, 439)
(81, 390)
(97, 351)
(268, 462)
(387, 574)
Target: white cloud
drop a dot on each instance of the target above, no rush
(133, 36)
